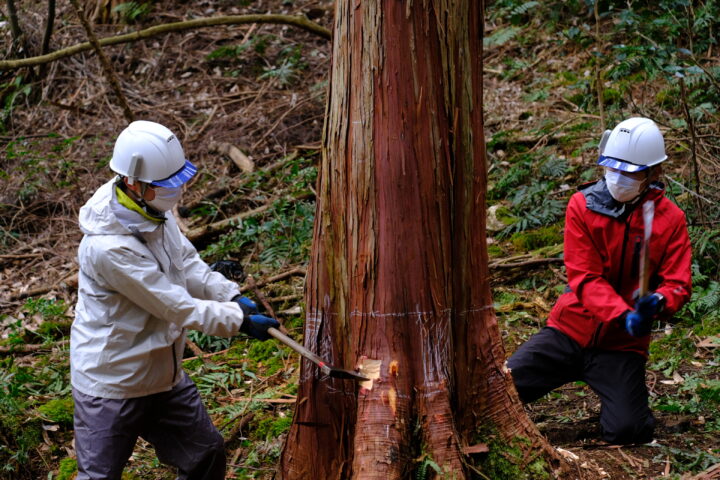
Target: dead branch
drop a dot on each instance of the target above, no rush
(244, 421)
(106, 66)
(258, 294)
(14, 25)
(199, 233)
(224, 190)
(526, 263)
(275, 278)
(69, 281)
(296, 21)
(241, 160)
(48, 28)
(30, 348)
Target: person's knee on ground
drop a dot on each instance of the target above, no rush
(542, 364)
(625, 428)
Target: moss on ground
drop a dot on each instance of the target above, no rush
(59, 410)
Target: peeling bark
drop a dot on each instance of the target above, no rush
(399, 268)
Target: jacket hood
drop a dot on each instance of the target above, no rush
(103, 215)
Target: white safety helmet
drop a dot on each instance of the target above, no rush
(151, 153)
(633, 145)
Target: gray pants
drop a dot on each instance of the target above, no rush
(175, 423)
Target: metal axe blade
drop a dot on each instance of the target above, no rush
(329, 370)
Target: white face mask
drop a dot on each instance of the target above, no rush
(165, 198)
(623, 188)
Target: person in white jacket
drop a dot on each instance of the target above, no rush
(142, 284)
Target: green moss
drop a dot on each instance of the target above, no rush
(611, 95)
(192, 365)
(54, 330)
(290, 388)
(495, 251)
(67, 469)
(667, 97)
(272, 427)
(507, 461)
(534, 239)
(505, 216)
(269, 355)
(59, 411)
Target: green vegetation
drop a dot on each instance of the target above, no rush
(285, 59)
(59, 410)
(131, 12)
(656, 59)
(507, 461)
(67, 469)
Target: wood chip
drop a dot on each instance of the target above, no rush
(241, 160)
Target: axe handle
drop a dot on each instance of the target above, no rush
(648, 212)
(299, 349)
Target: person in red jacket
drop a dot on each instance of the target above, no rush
(599, 330)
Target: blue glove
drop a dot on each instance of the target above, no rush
(247, 306)
(257, 326)
(638, 323)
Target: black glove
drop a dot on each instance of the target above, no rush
(257, 326)
(638, 323)
(247, 306)
(230, 269)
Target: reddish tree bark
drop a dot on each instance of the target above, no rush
(399, 268)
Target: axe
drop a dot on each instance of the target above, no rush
(648, 213)
(328, 370)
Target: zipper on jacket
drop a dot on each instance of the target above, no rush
(626, 237)
(618, 283)
(635, 266)
(174, 359)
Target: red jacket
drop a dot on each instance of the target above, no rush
(602, 250)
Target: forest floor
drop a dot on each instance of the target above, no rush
(261, 89)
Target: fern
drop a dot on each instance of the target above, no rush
(524, 8)
(500, 37)
(554, 167)
(709, 298)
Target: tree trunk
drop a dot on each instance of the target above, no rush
(398, 275)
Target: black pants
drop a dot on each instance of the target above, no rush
(175, 423)
(551, 359)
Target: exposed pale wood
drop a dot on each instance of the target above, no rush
(240, 160)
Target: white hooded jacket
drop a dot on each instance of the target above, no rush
(141, 284)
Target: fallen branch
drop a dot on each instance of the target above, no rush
(526, 263)
(212, 228)
(195, 349)
(244, 421)
(258, 294)
(275, 278)
(104, 61)
(262, 400)
(70, 281)
(296, 21)
(199, 233)
(244, 181)
(30, 348)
